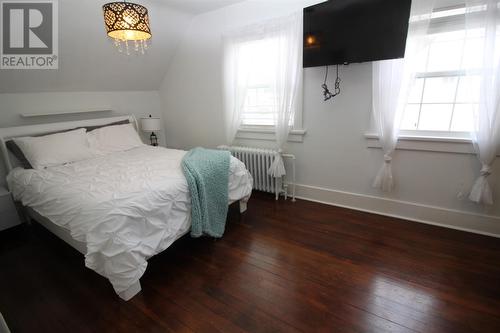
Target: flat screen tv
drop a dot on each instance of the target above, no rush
(348, 31)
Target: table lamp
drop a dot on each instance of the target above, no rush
(152, 125)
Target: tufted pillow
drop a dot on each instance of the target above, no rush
(55, 149)
(114, 139)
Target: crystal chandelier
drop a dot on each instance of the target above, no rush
(127, 23)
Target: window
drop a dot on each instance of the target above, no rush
(260, 102)
(446, 91)
(259, 58)
(262, 72)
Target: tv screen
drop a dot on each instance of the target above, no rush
(347, 31)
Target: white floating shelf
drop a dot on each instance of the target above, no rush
(59, 113)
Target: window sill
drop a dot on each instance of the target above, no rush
(426, 143)
(262, 133)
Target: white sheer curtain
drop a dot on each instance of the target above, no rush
(392, 80)
(236, 70)
(288, 83)
(387, 80)
(483, 17)
(283, 37)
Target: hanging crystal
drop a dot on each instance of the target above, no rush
(122, 46)
(118, 45)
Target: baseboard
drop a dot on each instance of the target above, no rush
(455, 219)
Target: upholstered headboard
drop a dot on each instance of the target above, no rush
(8, 133)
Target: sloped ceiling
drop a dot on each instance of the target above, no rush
(88, 59)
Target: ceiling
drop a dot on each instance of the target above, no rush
(88, 60)
(196, 7)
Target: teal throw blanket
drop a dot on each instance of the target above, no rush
(207, 175)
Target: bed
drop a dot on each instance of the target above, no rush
(119, 209)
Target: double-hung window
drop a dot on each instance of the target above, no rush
(262, 69)
(446, 89)
(260, 106)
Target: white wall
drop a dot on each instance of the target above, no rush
(333, 155)
(138, 103)
(88, 59)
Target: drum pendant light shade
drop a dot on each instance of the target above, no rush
(127, 21)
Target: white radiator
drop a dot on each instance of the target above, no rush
(258, 161)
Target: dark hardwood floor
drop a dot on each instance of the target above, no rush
(281, 267)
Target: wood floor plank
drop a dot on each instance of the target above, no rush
(280, 267)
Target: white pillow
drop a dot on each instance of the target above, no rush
(114, 138)
(55, 149)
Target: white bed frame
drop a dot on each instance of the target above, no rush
(30, 215)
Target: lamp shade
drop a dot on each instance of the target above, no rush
(126, 21)
(150, 124)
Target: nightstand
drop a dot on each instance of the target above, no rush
(8, 212)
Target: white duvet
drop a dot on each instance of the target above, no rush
(126, 206)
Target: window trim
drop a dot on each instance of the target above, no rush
(443, 144)
(440, 144)
(268, 133)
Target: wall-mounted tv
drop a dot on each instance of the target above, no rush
(348, 31)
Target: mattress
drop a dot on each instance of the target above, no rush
(126, 206)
